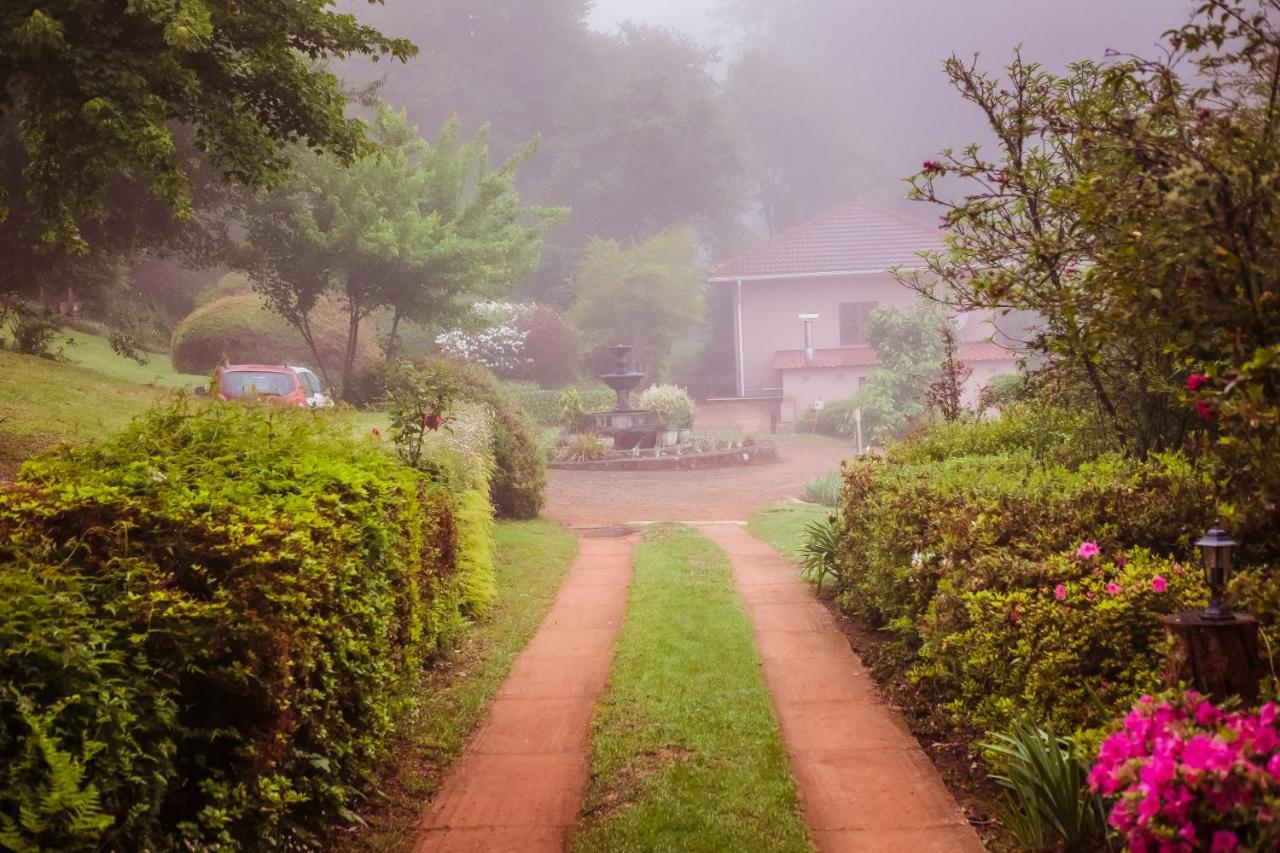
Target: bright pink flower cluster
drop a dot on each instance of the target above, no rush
(1186, 775)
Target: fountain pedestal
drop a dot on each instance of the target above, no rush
(629, 427)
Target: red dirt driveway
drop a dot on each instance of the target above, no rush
(594, 498)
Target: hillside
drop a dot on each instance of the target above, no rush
(90, 392)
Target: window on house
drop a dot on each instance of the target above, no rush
(854, 317)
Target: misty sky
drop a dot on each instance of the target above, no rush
(893, 52)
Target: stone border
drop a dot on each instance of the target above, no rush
(755, 454)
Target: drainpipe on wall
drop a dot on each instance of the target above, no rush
(737, 307)
(808, 319)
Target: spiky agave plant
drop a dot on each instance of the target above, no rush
(820, 552)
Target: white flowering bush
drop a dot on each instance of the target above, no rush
(494, 338)
(672, 404)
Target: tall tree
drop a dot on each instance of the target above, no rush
(643, 294)
(100, 88)
(418, 228)
(796, 136)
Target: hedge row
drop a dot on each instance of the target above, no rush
(543, 405)
(212, 622)
(970, 563)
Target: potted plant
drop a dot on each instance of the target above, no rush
(673, 408)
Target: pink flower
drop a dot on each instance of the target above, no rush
(1205, 410)
(376, 431)
(1015, 615)
(1159, 584)
(1196, 381)
(1060, 592)
(1089, 594)
(1113, 588)
(1224, 841)
(1088, 550)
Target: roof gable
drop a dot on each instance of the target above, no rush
(851, 238)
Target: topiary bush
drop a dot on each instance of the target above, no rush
(212, 622)
(239, 328)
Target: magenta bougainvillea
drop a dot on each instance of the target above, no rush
(1185, 775)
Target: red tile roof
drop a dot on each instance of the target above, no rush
(850, 238)
(794, 359)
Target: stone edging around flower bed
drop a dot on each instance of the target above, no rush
(755, 454)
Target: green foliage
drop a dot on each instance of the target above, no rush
(959, 556)
(241, 330)
(1049, 805)
(434, 221)
(820, 551)
(212, 622)
(893, 399)
(672, 405)
(685, 735)
(32, 331)
(518, 480)
(587, 447)
(546, 406)
(100, 93)
(419, 400)
(644, 294)
(825, 490)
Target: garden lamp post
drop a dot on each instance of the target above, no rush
(1215, 549)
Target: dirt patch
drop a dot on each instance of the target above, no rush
(952, 752)
(624, 786)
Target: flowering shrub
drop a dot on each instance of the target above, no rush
(1185, 775)
(496, 339)
(1067, 652)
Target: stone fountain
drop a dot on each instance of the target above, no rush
(629, 427)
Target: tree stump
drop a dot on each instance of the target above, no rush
(1219, 658)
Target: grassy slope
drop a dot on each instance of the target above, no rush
(782, 524)
(532, 558)
(685, 750)
(92, 391)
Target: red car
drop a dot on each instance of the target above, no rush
(279, 384)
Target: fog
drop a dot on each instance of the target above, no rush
(886, 56)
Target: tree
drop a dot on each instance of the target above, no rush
(418, 228)
(946, 393)
(644, 294)
(910, 351)
(795, 136)
(1016, 242)
(101, 88)
(1182, 200)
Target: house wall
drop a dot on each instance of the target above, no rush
(801, 388)
(769, 317)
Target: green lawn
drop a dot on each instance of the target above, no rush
(782, 524)
(532, 558)
(685, 750)
(95, 353)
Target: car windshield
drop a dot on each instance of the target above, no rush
(309, 381)
(251, 383)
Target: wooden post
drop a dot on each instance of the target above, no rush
(1219, 658)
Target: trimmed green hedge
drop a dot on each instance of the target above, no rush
(543, 406)
(959, 559)
(211, 623)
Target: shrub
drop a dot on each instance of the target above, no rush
(32, 330)
(820, 551)
(959, 558)
(1183, 774)
(672, 405)
(546, 406)
(551, 347)
(242, 330)
(583, 448)
(212, 622)
(519, 475)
